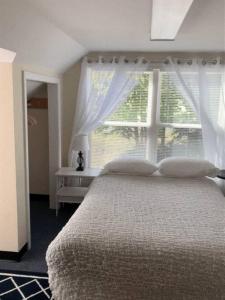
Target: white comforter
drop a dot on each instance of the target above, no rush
(142, 238)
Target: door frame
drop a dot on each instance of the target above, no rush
(55, 137)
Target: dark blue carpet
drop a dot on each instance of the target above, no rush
(44, 227)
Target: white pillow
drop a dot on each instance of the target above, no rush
(186, 167)
(129, 166)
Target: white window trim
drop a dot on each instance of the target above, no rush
(154, 116)
(180, 125)
(126, 124)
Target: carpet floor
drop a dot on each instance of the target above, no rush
(44, 227)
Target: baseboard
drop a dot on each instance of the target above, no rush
(8, 255)
(38, 197)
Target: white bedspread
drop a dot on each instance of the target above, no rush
(142, 238)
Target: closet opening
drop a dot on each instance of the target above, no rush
(42, 129)
(38, 140)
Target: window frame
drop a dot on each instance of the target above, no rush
(153, 123)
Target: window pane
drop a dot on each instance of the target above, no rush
(179, 142)
(100, 81)
(109, 142)
(134, 109)
(215, 89)
(173, 107)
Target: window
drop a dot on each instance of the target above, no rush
(153, 122)
(179, 132)
(125, 131)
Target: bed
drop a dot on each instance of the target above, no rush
(138, 238)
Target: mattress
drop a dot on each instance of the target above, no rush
(140, 238)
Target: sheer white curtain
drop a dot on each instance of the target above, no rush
(103, 86)
(203, 86)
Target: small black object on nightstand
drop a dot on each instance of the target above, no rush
(221, 174)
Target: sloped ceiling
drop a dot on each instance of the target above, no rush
(55, 33)
(111, 25)
(35, 39)
(36, 89)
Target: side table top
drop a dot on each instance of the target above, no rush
(69, 171)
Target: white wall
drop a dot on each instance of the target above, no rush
(38, 152)
(8, 198)
(70, 86)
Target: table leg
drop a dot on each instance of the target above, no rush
(57, 206)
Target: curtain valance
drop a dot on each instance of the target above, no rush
(214, 60)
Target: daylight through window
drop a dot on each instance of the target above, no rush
(153, 122)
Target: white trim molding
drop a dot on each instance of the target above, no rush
(54, 114)
(7, 56)
(41, 78)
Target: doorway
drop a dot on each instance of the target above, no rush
(42, 111)
(38, 142)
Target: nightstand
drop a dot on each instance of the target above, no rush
(221, 174)
(72, 194)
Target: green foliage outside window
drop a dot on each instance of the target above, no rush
(173, 106)
(134, 108)
(173, 109)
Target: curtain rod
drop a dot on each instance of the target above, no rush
(145, 60)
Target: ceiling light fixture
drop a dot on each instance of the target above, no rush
(167, 17)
